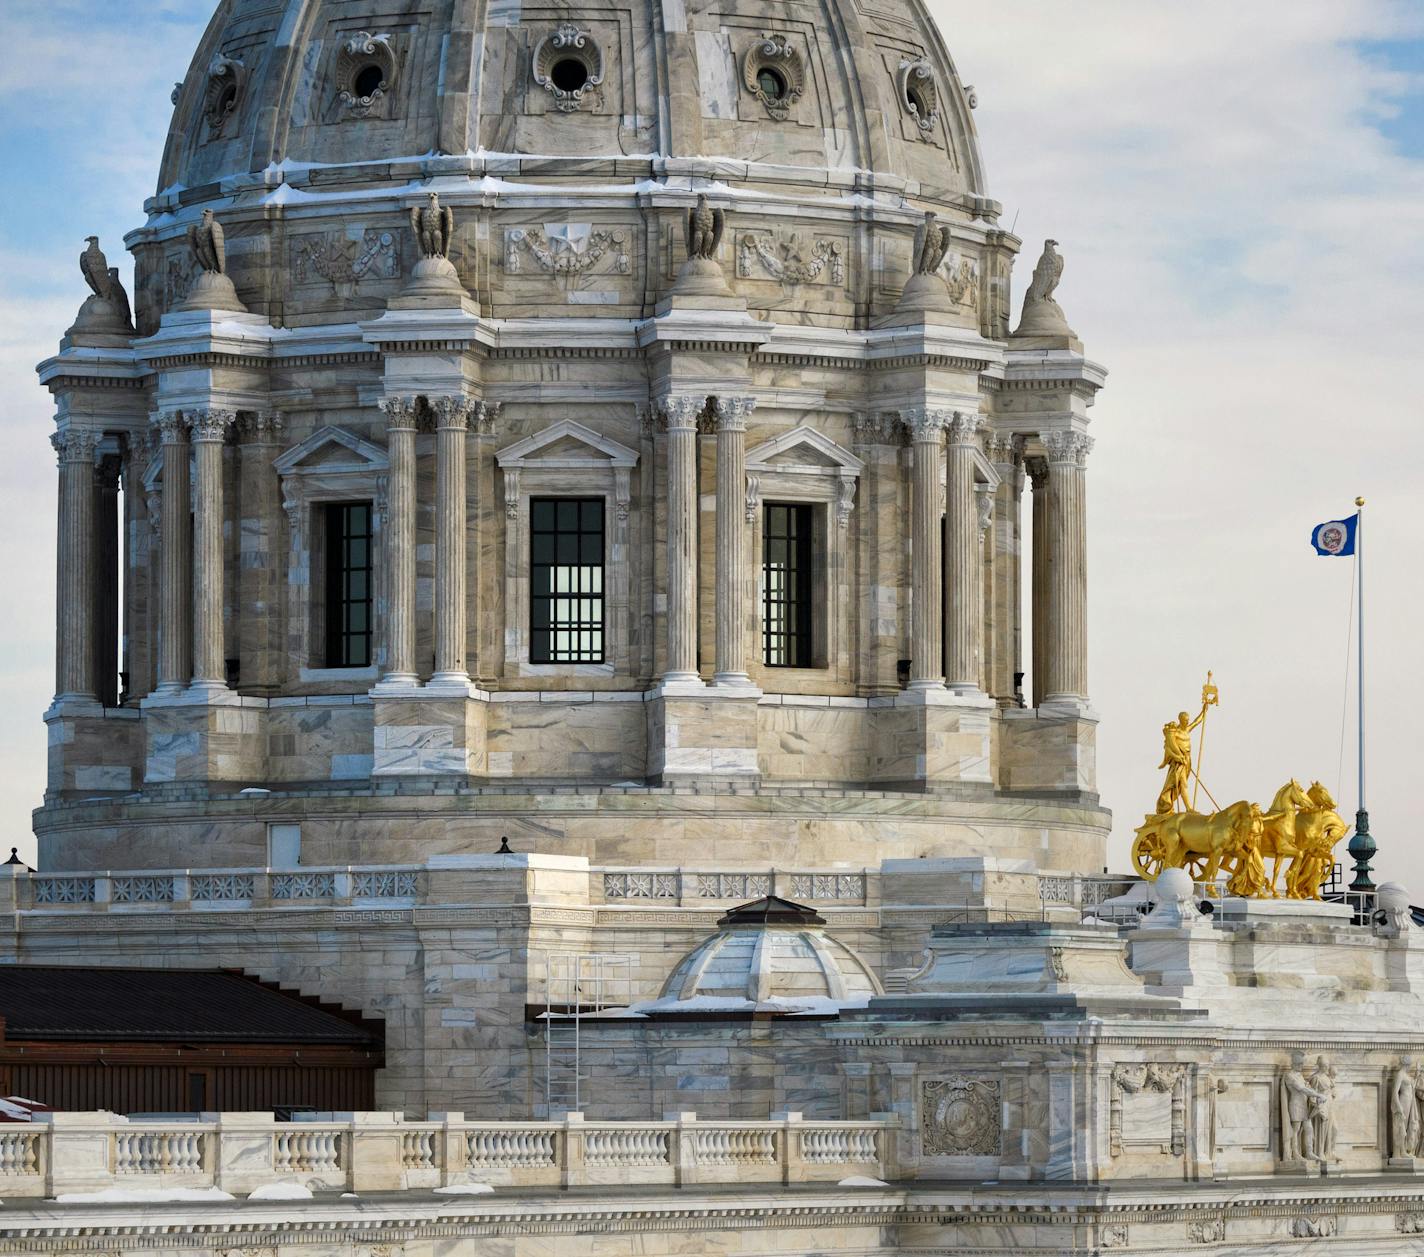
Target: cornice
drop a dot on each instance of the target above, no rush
(754, 1208)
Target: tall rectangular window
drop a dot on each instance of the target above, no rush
(566, 580)
(788, 585)
(348, 584)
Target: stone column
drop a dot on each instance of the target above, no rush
(1001, 640)
(731, 651)
(209, 432)
(963, 557)
(984, 585)
(106, 578)
(1038, 647)
(137, 656)
(681, 665)
(1067, 641)
(452, 417)
(74, 606)
(399, 556)
(175, 571)
(260, 578)
(926, 548)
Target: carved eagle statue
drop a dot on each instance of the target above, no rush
(1045, 275)
(94, 266)
(434, 228)
(931, 244)
(704, 230)
(206, 241)
(118, 298)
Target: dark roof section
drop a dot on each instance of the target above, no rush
(772, 910)
(63, 1002)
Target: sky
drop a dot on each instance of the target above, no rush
(1238, 192)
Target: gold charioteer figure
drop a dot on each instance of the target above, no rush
(1300, 826)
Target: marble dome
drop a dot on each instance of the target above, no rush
(768, 956)
(632, 89)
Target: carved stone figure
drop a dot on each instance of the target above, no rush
(700, 274)
(434, 227)
(926, 289)
(931, 244)
(209, 244)
(434, 279)
(1042, 315)
(1403, 1110)
(1298, 1105)
(704, 230)
(106, 311)
(211, 289)
(1322, 1117)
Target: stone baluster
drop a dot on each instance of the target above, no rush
(926, 548)
(175, 571)
(1037, 470)
(401, 423)
(682, 413)
(209, 430)
(964, 555)
(74, 657)
(1067, 641)
(731, 648)
(452, 419)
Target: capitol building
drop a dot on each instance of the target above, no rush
(572, 563)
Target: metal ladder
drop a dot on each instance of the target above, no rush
(576, 986)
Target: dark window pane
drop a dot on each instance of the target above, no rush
(348, 584)
(788, 585)
(566, 580)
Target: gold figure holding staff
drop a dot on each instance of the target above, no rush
(1177, 755)
(1301, 826)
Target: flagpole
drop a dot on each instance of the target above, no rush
(1362, 845)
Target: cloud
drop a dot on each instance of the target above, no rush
(1245, 251)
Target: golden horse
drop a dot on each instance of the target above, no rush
(1318, 828)
(1199, 842)
(1278, 834)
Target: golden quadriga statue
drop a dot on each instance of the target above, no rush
(1301, 826)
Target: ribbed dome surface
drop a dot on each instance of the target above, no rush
(837, 84)
(775, 968)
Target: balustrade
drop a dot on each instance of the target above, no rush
(239, 1152)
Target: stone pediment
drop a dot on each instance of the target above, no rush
(567, 444)
(332, 450)
(805, 451)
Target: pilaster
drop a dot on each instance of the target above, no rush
(731, 566)
(175, 567)
(260, 575)
(399, 556)
(452, 417)
(963, 579)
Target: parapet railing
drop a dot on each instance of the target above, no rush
(688, 887)
(63, 1153)
(232, 888)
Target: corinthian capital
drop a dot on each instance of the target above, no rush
(484, 415)
(75, 445)
(965, 427)
(451, 412)
(210, 425)
(171, 427)
(1066, 448)
(1004, 449)
(682, 410)
(924, 423)
(262, 427)
(402, 413)
(732, 413)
